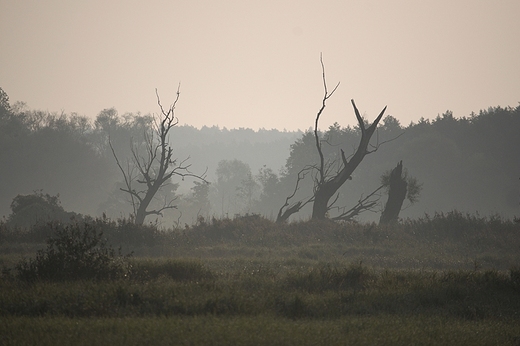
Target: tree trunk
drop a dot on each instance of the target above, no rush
(322, 196)
(142, 211)
(396, 196)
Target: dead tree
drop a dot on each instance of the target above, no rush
(397, 190)
(327, 184)
(151, 166)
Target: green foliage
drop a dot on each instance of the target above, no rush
(74, 252)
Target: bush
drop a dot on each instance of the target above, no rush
(38, 208)
(74, 252)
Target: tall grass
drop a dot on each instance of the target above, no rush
(446, 279)
(171, 288)
(258, 330)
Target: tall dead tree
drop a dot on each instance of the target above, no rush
(151, 166)
(326, 183)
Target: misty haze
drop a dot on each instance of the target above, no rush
(466, 164)
(437, 196)
(259, 173)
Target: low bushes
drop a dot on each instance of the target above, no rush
(74, 252)
(254, 230)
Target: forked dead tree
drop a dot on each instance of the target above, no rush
(151, 166)
(328, 185)
(326, 182)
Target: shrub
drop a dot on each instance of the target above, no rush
(74, 252)
(38, 208)
(456, 226)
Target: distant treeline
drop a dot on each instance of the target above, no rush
(470, 164)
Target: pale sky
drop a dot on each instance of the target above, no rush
(256, 63)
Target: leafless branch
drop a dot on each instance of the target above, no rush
(128, 180)
(363, 204)
(376, 146)
(283, 215)
(326, 96)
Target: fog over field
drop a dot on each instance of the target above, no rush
(467, 163)
(234, 172)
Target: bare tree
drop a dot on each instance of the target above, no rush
(151, 166)
(327, 181)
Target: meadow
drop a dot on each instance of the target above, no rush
(439, 280)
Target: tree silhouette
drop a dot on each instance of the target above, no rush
(152, 166)
(326, 181)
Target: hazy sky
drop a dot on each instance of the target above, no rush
(256, 63)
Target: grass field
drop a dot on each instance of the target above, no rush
(438, 281)
(257, 330)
